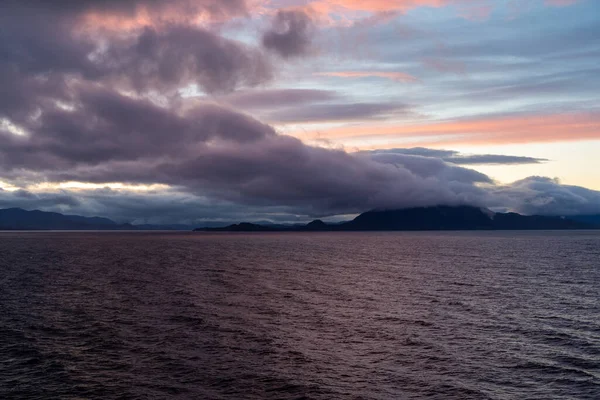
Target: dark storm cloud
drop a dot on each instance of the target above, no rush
(164, 60)
(282, 171)
(44, 54)
(456, 157)
(37, 53)
(28, 200)
(290, 34)
(180, 55)
(105, 126)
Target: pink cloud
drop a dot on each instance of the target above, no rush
(479, 131)
(386, 5)
(348, 10)
(337, 12)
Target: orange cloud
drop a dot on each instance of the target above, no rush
(394, 76)
(501, 130)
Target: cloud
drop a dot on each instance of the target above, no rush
(104, 126)
(48, 201)
(277, 98)
(89, 92)
(309, 106)
(153, 207)
(128, 7)
(338, 112)
(44, 58)
(126, 14)
(427, 167)
(214, 155)
(501, 129)
(177, 56)
(476, 10)
(457, 158)
(545, 196)
(493, 159)
(385, 5)
(351, 183)
(290, 34)
(215, 152)
(394, 76)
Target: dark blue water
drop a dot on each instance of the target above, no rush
(478, 315)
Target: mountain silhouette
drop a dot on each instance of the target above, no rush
(410, 219)
(425, 219)
(587, 219)
(19, 219)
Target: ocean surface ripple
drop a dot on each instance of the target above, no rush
(473, 315)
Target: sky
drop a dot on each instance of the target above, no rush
(186, 111)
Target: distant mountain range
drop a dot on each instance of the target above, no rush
(19, 219)
(429, 218)
(411, 219)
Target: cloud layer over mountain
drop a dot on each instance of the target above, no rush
(90, 92)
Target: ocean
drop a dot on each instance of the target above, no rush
(420, 315)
